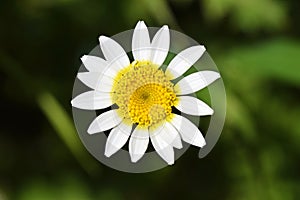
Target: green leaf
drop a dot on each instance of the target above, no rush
(63, 125)
(248, 16)
(277, 59)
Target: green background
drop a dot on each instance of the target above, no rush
(255, 44)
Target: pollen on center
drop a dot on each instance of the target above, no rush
(143, 93)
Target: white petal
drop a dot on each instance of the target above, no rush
(114, 53)
(188, 131)
(138, 143)
(93, 63)
(117, 138)
(193, 106)
(160, 46)
(170, 135)
(105, 121)
(177, 142)
(96, 64)
(195, 82)
(162, 146)
(184, 60)
(141, 42)
(96, 81)
(92, 100)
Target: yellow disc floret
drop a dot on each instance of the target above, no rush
(143, 93)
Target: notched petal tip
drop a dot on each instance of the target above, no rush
(142, 25)
(171, 163)
(83, 58)
(165, 27)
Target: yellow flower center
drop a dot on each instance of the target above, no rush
(143, 93)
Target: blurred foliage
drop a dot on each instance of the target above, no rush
(248, 16)
(256, 47)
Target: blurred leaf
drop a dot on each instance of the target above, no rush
(161, 11)
(55, 113)
(238, 116)
(71, 187)
(216, 9)
(286, 121)
(67, 189)
(271, 59)
(110, 194)
(243, 172)
(248, 16)
(63, 125)
(3, 195)
(45, 3)
(36, 190)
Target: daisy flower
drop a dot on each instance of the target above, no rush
(144, 94)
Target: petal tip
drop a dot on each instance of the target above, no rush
(202, 144)
(171, 162)
(165, 27)
(179, 146)
(107, 153)
(83, 58)
(142, 24)
(79, 75)
(137, 24)
(91, 130)
(103, 38)
(199, 141)
(215, 76)
(135, 158)
(202, 47)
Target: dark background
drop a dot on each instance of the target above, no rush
(256, 47)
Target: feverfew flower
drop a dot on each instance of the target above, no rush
(144, 94)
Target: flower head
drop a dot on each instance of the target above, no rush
(144, 94)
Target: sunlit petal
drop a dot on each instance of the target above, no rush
(160, 46)
(141, 42)
(138, 143)
(195, 82)
(104, 122)
(92, 100)
(193, 106)
(117, 138)
(188, 131)
(184, 60)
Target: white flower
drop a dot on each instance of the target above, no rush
(144, 94)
